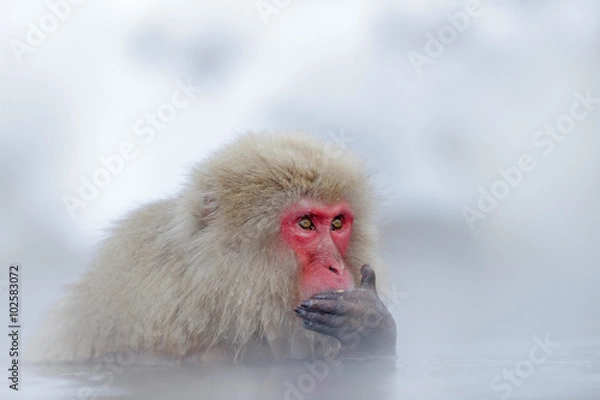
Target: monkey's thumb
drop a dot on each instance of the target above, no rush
(368, 278)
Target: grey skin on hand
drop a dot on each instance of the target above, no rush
(357, 318)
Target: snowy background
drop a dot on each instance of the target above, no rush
(437, 121)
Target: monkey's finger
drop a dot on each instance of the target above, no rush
(323, 328)
(327, 306)
(330, 295)
(330, 320)
(368, 278)
(348, 296)
(317, 327)
(346, 338)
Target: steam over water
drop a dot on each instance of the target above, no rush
(478, 121)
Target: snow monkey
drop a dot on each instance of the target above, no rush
(269, 250)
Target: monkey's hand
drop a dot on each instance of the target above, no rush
(357, 318)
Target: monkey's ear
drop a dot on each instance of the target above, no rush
(209, 206)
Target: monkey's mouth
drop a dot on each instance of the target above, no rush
(329, 283)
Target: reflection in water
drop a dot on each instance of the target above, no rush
(310, 380)
(572, 373)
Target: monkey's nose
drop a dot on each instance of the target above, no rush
(335, 269)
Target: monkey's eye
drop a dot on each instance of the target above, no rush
(337, 223)
(305, 223)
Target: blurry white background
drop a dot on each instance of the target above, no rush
(432, 133)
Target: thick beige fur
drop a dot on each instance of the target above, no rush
(205, 272)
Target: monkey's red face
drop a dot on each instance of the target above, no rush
(319, 235)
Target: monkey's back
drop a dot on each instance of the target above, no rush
(128, 296)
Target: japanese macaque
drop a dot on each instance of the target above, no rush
(269, 250)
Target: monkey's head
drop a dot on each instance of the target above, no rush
(280, 217)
